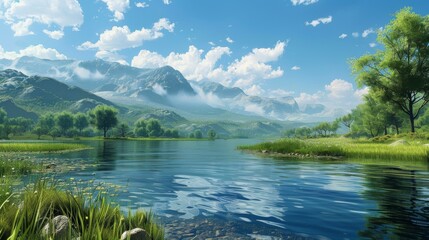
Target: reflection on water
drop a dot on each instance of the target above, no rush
(208, 189)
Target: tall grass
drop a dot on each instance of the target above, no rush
(343, 148)
(90, 218)
(40, 147)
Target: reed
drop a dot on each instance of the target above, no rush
(40, 147)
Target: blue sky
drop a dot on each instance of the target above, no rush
(267, 47)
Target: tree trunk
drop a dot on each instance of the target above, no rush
(104, 132)
(397, 129)
(385, 130)
(411, 115)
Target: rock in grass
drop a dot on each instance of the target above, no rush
(135, 234)
(400, 142)
(59, 227)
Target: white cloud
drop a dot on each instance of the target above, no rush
(194, 65)
(117, 7)
(142, 4)
(254, 90)
(38, 51)
(316, 22)
(20, 15)
(54, 34)
(21, 28)
(212, 44)
(119, 38)
(339, 88)
(281, 93)
(338, 97)
(84, 73)
(167, 2)
(228, 39)
(111, 57)
(373, 45)
(355, 34)
(342, 36)
(303, 2)
(367, 32)
(295, 68)
(158, 89)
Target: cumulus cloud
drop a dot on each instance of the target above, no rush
(254, 90)
(142, 4)
(119, 38)
(295, 68)
(20, 15)
(303, 2)
(228, 39)
(342, 36)
(166, 2)
(316, 22)
(373, 45)
(38, 51)
(339, 96)
(117, 7)
(339, 88)
(54, 34)
(111, 57)
(194, 65)
(84, 73)
(367, 32)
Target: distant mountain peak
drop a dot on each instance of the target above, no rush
(9, 73)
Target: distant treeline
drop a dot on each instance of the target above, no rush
(101, 121)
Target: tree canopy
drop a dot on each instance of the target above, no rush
(399, 72)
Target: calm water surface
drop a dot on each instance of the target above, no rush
(208, 189)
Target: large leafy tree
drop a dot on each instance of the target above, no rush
(64, 121)
(104, 117)
(400, 72)
(81, 122)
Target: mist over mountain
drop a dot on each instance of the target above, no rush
(164, 88)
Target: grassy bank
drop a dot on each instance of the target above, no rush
(40, 147)
(25, 211)
(341, 147)
(89, 218)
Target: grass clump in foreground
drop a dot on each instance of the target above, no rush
(341, 147)
(90, 218)
(40, 147)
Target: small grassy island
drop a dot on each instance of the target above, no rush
(336, 148)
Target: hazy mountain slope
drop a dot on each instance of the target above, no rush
(41, 94)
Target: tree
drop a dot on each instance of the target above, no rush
(198, 134)
(47, 122)
(399, 72)
(211, 134)
(64, 121)
(323, 128)
(123, 129)
(38, 131)
(347, 120)
(154, 128)
(104, 118)
(54, 133)
(191, 135)
(140, 128)
(3, 116)
(81, 122)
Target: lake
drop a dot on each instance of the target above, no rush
(208, 189)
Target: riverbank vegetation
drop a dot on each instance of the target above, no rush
(30, 212)
(343, 148)
(101, 121)
(395, 106)
(40, 147)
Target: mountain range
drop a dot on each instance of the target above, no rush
(164, 88)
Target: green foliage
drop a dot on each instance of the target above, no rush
(344, 148)
(64, 121)
(47, 122)
(198, 134)
(398, 73)
(140, 129)
(39, 147)
(104, 117)
(123, 129)
(154, 128)
(211, 134)
(81, 121)
(3, 116)
(90, 217)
